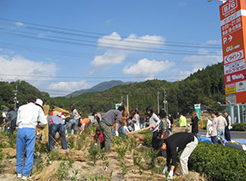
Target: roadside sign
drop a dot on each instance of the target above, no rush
(198, 110)
(117, 105)
(233, 27)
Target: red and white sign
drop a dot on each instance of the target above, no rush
(233, 32)
(229, 7)
(234, 56)
(235, 77)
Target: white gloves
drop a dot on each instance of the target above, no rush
(170, 175)
(164, 170)
(116, 133)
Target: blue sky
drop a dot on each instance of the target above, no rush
(61, 46)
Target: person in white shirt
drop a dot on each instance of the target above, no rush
(136, 120)
(27, 118)
(153, 125)
(73, 122)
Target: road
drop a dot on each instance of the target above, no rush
(234, 134)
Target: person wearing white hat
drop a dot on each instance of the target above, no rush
(27, 118)
(39, 102)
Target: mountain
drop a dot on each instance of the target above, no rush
(97, 88)
(205, 86)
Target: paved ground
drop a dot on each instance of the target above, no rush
(234, 134)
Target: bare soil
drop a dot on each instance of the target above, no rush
(74, 164)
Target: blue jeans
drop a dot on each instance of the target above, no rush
(120, 129)
(53, 128)
(220, 135)
(142, 125)
(26, 137)
(74, 125)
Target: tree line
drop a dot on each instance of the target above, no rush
(205, 86)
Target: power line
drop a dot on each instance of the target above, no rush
(78, 33)
(136, 49)
(81, 77)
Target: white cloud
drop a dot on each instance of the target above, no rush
(68, 86)
(184, 74)
(105, 61)
(131, 43)
(19, 68)
(201, 61)
(19, 24)
(148, 67)
(108, 58)
(118, 48)
(196, 62)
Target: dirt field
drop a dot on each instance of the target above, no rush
(75, 164)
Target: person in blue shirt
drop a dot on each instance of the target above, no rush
(56, 124)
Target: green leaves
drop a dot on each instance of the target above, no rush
(218, 162)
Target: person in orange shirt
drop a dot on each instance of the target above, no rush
(84, 122)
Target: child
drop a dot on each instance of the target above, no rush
(98, 137)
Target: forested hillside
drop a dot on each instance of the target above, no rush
(25, 90)
(205, 86)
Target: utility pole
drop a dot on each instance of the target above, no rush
(15, 98)
(165, 102)
(127, 102)
(158, 106)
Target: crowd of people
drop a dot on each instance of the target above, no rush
(219, 128)
(113, 122)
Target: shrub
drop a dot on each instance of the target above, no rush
(239, 127)
(70, 143)
(117, 140)
(62, 171)
(94, 152)
(121, 152)
(148, 137)
(12, 140)
(218, 162)
(132, 144)
(53, 155)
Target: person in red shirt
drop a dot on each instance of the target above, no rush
(98, 137)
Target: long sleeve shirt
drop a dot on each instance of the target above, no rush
(221, 123)
(55, 120)
(28, 116)
(153, 120)
(11, 115)
(75, 114)
(112, 116)
(176, 143)
(214, 127)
